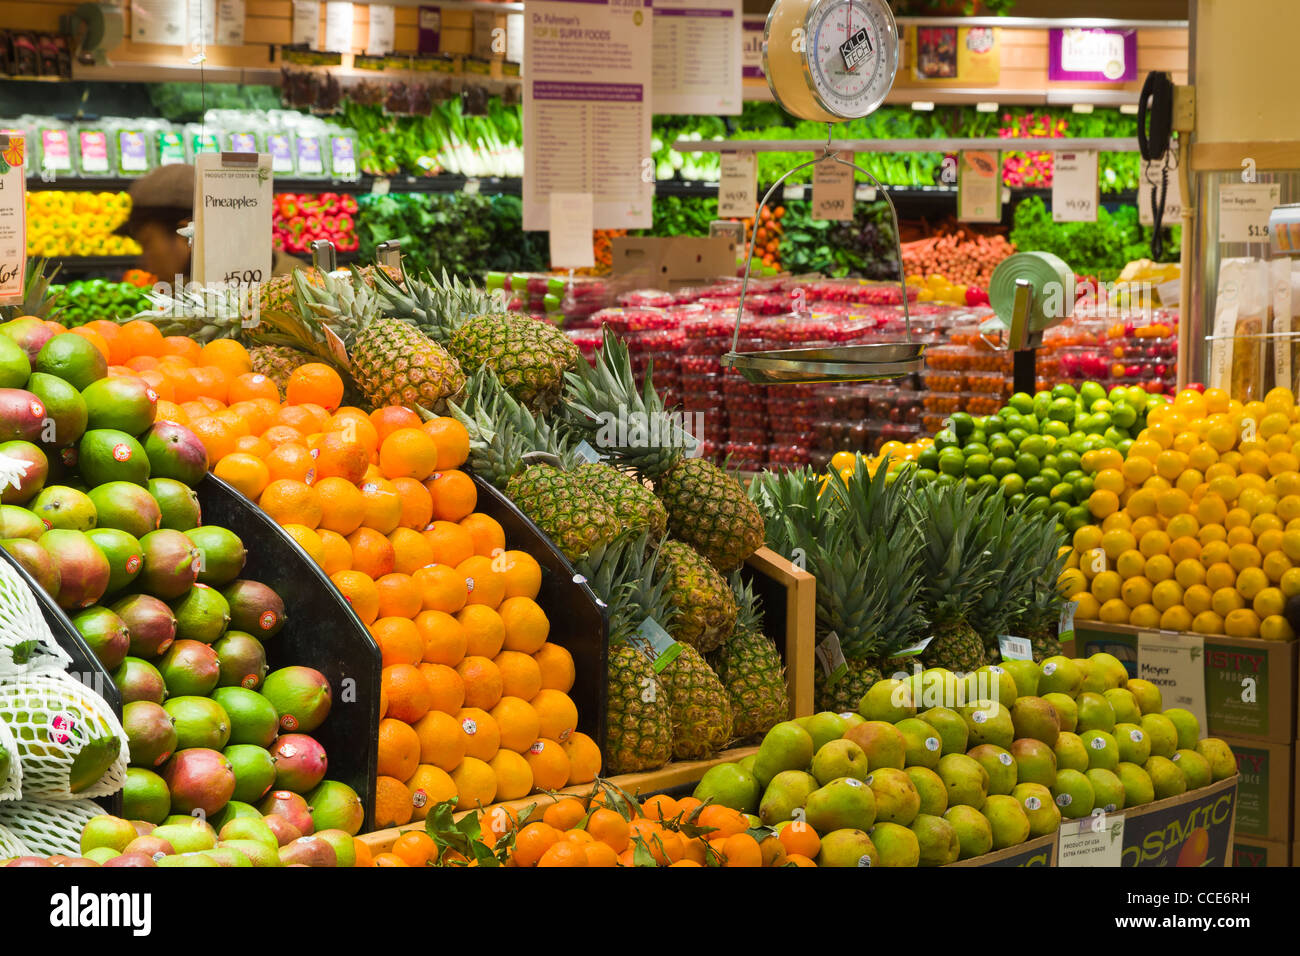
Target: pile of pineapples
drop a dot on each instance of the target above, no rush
(912, 573)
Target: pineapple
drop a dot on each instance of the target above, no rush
(277, 362)
(707, 508)
(705, 604)
(1039, 619)
(530, 357)
(700, 706)
(636, 506)
(750, 667)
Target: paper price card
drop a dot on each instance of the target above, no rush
(232, 218)
(158, 21)
(306, 23)
(832, 191)
(338, 26)
(382, 27)
(1244, 209)
(230, 22)
(979, 181)
(738, 187)
(1173, 208)
(571, 231)
(1096, 840)
(1074, 187)
(13, 219)
(1175, 663)
(1015, 648)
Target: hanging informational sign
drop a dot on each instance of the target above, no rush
(752, 47)
(571, 243)
(1173, 209)
(338, 26)
(738, 185)
(698, 56)
(430, 29)
(515, 37)
(1075, 192)
(201, 22)
(979, 187)
(1079, 55)
(13, 218)
(955, 54)
(587, 110)
(306, 23)
(832, 190)
(158, 21)
(232, 218)
(230, 22)
(382, 27)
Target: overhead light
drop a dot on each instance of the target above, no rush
(1129, 109)
(923, 106)
(1083, 108)
(986, 107)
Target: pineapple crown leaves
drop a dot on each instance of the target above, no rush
(624, 573)
(956, 565)
(749, 611)
(37, 300)
(438, 307)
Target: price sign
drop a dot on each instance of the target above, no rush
(1095, 840)
(1175, 663)
(382, 27)
(1015, 648)
(1075, 192)
(738, 187)
(13, 219)
(833, 189)
(979, 193)
(232, 218)
(306, 23)
(338, 26)
(1244, 209)
(1173, 209)
(571, 231)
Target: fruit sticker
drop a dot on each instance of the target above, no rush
(288, 722)
(853, 782)
(419, 799)
(932, 744)
(1063, 799)
(1049, 668)
(1135, 736)
(979, 717)
(38, 410)
(268, 619)
(1032, 803)
(121, 452)
(469, 585)
(62, 726)
(153, 396)
(471, 727)
(1097, 743)
(69, 457)
(537, 747)
(133, 564)
(864, 860)
(1004, 758)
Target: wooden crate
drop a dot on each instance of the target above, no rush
(675, 774)
(1256, 853)
(789, 599)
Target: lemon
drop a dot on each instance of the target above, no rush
(1225, 486)
(1160, 567)
(1170, 464)
(1089, 537)
(1071, 582)
(1226, 600)
(1088, 607)
(1289, 484)
(1103, 503)
(1154, 542)
(1118, 521)
(1130, 564)
(1114, 611)
(1288, 507)
(1221, 436)
(1242, 556)
(1189, 572)
(1136, 591)
(1106, 586)
(1238, 518)
(1270, 542)
(1197, 598)
(1250, 482)
(1266, 521)
(1216, 399)
(1274, 423)
(1220, 575)
(1281, 400)
(1207, 622)
(1275, 565)
(1157, 483)
(1148, 449)
(1241, 623)
(1240, 535)
(1210, 533)
(1212, 508)
(1189, 481)
(1173, 502)
(1291, 543)
(1141, 502)
(1214, 553)
(1232, 459)
(1183, 526)
(1137, 469)
(1092, 562)
(1203, 456)
(1072, 559)
(1249, 583)
(1276, 628)
(1144, 524)
(1184, 548)
(1116, 542)
(1176, 619)
(1167, 594)
(1144, 615)
(1110, 479)
(1268, 602)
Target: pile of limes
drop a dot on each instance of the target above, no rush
(1044, 449)
(1198, 527)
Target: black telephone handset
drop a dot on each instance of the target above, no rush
(1155, 127)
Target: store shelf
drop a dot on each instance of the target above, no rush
(675, 774)
(1105, 144)
(79, 264)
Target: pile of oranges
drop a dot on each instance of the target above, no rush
(1197, 528)
(609, 828)
(474, 704)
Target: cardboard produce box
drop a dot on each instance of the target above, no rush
(1037, 852)
(1250, 684)
(1266, 796)
(1253, 853)
(1193, 830)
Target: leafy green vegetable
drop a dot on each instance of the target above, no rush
(1100, 248)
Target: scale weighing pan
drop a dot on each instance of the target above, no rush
(854, 363)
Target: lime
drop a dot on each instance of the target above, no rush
(974, 448)
(106, 454)
(1003, 466)
(1002, 447)
(73, 359)
(1116, 393)
(1017, 499)
(1013, 485)
(1050, 461)
(985, 482)
(1042, 403)
(1102, 407)
(1065, 390)
(1124, 415)
(1022, 402)
(64, 408)
(978, 436)
(1091, 393)
(928, 458)
(952, 462)
(1076, 518)
(1026, 465)
(1082, 488)
(1062, 491)
(1058, 508)
(1067, 459)
(962, 424)
(1035, 445)
(15, 368)
(926, 474)
(1114, 435)
(945, 481)
(1062, 410)
(1035, 503)
(995, 425)
(1073, 475)
(1038, 486)
(1057, 430)
(1017, 436)
(1049, 474)
(977, 465)
(972, 486)
(1136, 396)
(945, 438)
(1051, 443)
(1123, 446)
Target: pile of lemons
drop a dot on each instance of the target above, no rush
(1198, 528)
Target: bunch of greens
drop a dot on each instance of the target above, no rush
(682, 216)
(1100, 248)
(185, 102)
(447, 140)
(863, 246)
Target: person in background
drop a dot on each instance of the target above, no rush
(161, 203)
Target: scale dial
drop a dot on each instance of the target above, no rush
(830, 60)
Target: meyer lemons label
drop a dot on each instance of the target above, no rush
(1175, 663)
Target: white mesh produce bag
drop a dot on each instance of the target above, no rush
(11, 846)
(63, 730)
(47, 827)
(26, 644)
(12, 789)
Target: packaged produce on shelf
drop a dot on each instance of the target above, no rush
(299, 219)
(77, 224)
(961, 257)
(77, 303)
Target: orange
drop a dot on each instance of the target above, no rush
(111, 333)
(450, 542)
(210, 383)
(442, 742)
(476, 784)
(163, 389)
(520, 675)
(609, 827)
(296, 417)
(584, 759)
(565, 814)
(259, 412)
(247, 474)
(409, 696)
(218, 438)
(688, 804)
(454, 496)
(522, 573)
(558, 713)
(371, 552)
(363, 855)
(557, 668)
(319, 417)
(659, 807)
(484, 632)
(314, 383)
(798, 837)
(392, 417)
(359, 590)
(408, 453)
(336, 457)
(442, 588)
(392, 809)
(342, 507)
(518, 723)
(451, 439)
(489, 537)
(550, 764)
(355, 426)
(533, 841)
(100, 343)
(565, 854)
(398, 596)
(741, 849)
(417, 503)
(443, 638)
(410, 549)
(483, 684)
(291, 502)
(429, 786)
(598, 854)
(389, 859)
(184, 346)
(654, 839)
(250, 385)
(253, 445)
(481, 733)
(526, 626)
(292, 460)
(399, 640)
(141, 363)
(337, 552)
(399, 749)
(227, 355)
(446, 686)
(279, 434)
(514, 776)
(484, 584)
(141, 338)
(724, 821)
(383, 505)
(308, 540)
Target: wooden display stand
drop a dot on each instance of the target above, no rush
(789, 601)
